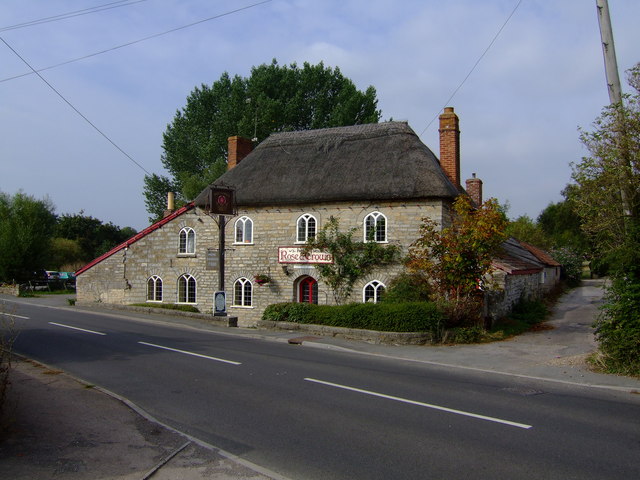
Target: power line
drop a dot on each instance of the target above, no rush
(74, 108)
(137, 41)
(76, 13)
(474, 66)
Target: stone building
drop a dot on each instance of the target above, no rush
(379, 179)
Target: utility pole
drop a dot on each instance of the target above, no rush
(615, 94)
(609, 52)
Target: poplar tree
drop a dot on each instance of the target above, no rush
(273, 98)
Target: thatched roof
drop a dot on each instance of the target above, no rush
(385, 161)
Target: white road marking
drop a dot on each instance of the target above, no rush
(191, 353)
(15, 316)
(76, 328)
(421, 404)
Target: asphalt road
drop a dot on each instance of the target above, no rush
(312, 413)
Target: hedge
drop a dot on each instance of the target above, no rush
(383, 317)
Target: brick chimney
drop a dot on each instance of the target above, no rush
(474, 189)
(239, 147)
(450, 145)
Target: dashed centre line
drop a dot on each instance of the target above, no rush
(421, 404)
(15, 316)
(76, 328)
(190, 353)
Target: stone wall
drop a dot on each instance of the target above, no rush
(509, 290)
(122, 278)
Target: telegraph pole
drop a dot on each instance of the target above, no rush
(609, 52)
(615, 93)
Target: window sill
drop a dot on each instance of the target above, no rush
(246, 307)
(187, 255)
(243, 243)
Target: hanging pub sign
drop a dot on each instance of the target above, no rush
(221, 201)
(217, 200)
(294, 255)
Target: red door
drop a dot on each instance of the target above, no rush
(308, 291)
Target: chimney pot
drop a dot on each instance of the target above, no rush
(171, 206)
(474, 189)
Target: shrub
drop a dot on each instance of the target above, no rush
(472, 334)
(407, 287)
(529, 311)
(571, 265)
(618, 327)
(386, 317)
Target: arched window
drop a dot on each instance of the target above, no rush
(187, 241)
(242, 292)
(244, 230)
(154, 289)
(375, 227)
(186, 289)
(373, 291)
(306, 228)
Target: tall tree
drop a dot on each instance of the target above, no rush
(26, 225)
(607, 198)
(607, 193)
(92, 237)
(525, 229)
(562, 226)
(273, 98)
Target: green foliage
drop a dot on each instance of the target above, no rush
(91, 238)
(352, 260)
(386, 317)
(458, 256)
(561, 225)
(529, 312)
(525, 229)
(471, 334)
(618, 326)
(607, 192)
(571, 263)
(273, 98)
(155, 192)
(407, 287)
(168, 306)
(25, 232)
(524, 316)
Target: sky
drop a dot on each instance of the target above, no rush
(521, 96)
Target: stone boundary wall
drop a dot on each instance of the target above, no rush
(10, 290)
(369, 336)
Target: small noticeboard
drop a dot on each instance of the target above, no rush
(220, 303)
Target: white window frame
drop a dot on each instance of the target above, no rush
(377, 286)
(187, 278)
(155, 279)
(304, 219)
(376, 217)
(245, 224)
(241, 301)
(188, 247)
